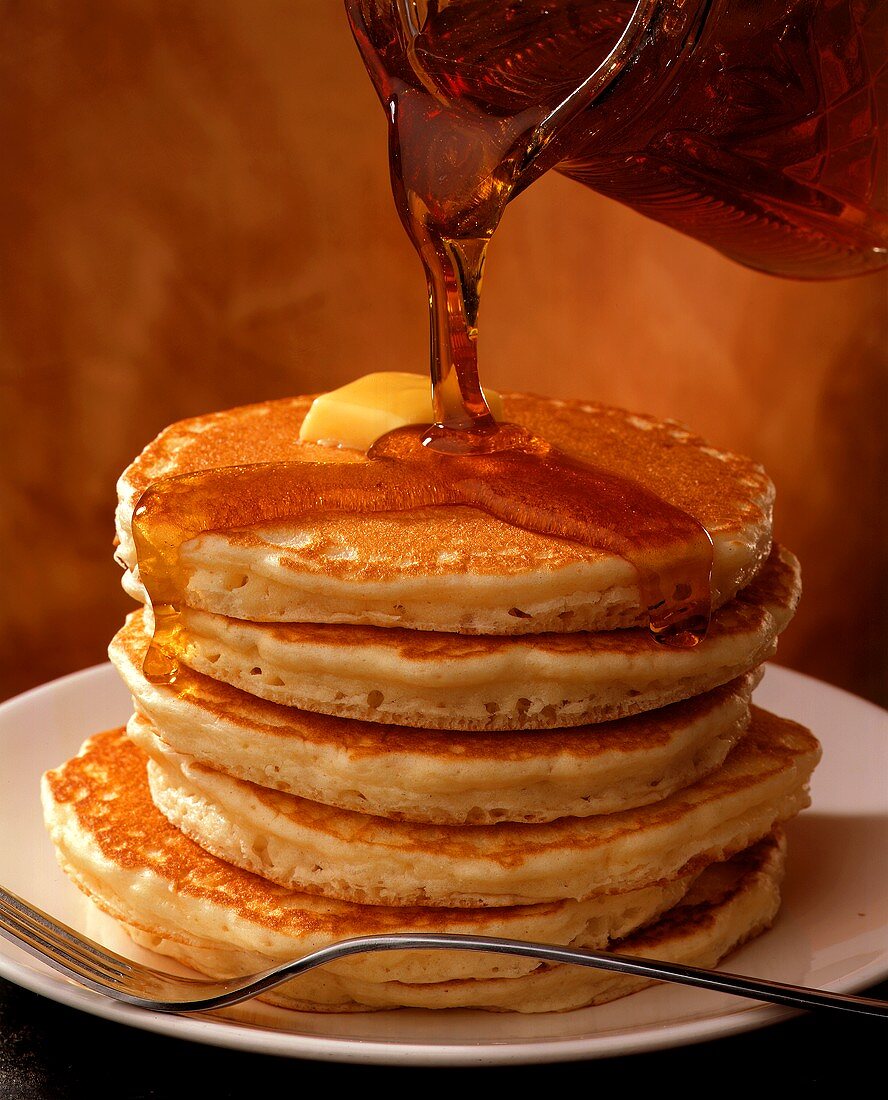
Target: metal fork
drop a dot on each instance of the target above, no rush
(104, 971)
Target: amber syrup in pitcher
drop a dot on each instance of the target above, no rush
(756, 126)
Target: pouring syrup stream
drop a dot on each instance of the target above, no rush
(453, 173)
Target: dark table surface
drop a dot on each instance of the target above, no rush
(51, 1052)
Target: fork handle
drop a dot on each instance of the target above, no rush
(760, 989)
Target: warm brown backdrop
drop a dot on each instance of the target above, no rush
(194, 213)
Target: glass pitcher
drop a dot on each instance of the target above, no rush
(756, 126)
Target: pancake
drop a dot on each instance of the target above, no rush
(321, 849)
(116, 845)
(177, 899)
(728, 905)
(443, 777)
(447, 568)
(453, 681)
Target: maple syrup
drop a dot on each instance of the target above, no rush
(525, 483)
(756, 126)
(750, 125)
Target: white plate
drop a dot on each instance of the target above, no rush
(832, 931)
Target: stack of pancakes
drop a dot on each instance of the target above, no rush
(431, 720)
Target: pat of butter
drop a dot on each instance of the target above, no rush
(358, 413)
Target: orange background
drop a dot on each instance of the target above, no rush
(195, 213)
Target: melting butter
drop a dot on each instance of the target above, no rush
(358, 413)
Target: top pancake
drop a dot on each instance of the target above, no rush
(447, 568)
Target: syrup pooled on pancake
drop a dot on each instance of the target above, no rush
(445, 568)
(528, 484)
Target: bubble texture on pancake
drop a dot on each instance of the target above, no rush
(454, 681)
(449, 568)
(444, 777)
(316, 848)
(177, 899)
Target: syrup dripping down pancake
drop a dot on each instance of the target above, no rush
(454, 681)
(450, 568)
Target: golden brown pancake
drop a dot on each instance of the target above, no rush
(447, 568)
(107, 830)
(455, 681)
(175, 898)
(295, 787)
(444, 777)
(322, 849)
